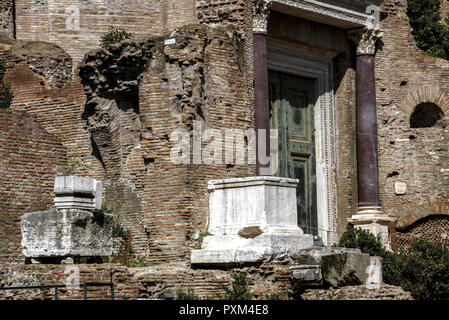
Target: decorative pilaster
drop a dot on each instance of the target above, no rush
(260, 22)
(369, 215)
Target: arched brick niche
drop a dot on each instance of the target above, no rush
(433, 228)
(426, 95)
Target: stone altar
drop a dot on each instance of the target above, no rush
(251, 220)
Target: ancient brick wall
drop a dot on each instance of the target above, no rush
(237, 14)
(414, 158)
(30, 159)
(220, 12)
(76, 26)
(196, 79)
(56, 103)
(7, 17)
(130, 116)
(60, 110)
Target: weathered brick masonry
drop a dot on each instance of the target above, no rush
(133, 174)
(76, 26)
(431, 228)
(30, 158)
(419, 157)
(196, 79)
(7, 17)
(202, 81)
(211, 91)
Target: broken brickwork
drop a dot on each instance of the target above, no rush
(125, 144)
(132, 112)
(47, 60)
(7, 17)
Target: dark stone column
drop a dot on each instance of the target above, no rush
(369, 215)
(367, 149)
(262, 112)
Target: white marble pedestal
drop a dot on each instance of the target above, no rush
(251, 220)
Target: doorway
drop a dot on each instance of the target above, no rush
(292, 103)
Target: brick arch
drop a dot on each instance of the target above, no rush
(432, 94)
(432, 228)
(407, 221)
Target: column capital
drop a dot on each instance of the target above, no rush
(365, 39)
(261, 10)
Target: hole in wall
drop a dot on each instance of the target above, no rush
(392, 174)
(425, 115)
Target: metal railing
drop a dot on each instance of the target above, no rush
(57, 287)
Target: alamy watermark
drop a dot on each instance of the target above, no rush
(374, 18)
(72, 21)
(72, 281)
(217, 147)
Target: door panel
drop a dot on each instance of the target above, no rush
(292, 113)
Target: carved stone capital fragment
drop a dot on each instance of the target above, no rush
(260, 15)
(365, 39)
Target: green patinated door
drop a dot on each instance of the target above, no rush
(292, 101)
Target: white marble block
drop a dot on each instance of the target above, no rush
(265, 202)
(73, 192)
(251, 220)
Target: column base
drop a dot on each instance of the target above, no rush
(375, 221)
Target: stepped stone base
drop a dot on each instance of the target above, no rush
(233, 249)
